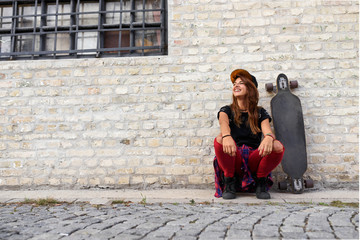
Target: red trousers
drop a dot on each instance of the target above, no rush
(259, 166)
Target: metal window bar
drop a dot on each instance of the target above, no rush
(120, 32)
(42, 25)
(13, 27)
(75, 28)
(76, 35)
(163, 27)
(100, 36)
(72, 23)
(132, 20)
(56, 27)
(34, 31)
(143, 26)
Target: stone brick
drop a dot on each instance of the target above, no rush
(109, 181)
(11, 181)
(136, 180)
(149, 170)
(151, 180)
(123, 180)
(79, 72)
(54, 181)
(246, 6)
(353, 138)
(195, 180)
(125, 171)
(181, 142)
(287, 38)
(179, 170)
(153, 142)
(38, 181)
(94, 181)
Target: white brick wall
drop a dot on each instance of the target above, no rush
(151, 121)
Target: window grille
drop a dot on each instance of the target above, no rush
(77, 28)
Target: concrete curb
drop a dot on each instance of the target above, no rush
(176, 196)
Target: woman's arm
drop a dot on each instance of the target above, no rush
(229, 146)
(266, 145)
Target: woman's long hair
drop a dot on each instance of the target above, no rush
(251, 104)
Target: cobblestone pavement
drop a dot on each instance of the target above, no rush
(178, 221)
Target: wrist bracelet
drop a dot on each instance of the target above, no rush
(226, 136)
(270, 135)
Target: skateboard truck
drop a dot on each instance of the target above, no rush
(283, 85)
(297, 185)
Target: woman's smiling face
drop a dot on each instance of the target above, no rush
(239, 88)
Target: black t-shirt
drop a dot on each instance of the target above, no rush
(243, 135)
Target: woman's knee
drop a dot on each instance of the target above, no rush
(278, 147)
(219, 139)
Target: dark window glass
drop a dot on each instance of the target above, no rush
(77, 28)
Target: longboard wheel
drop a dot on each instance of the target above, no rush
(282, 185)
(294, 84)
(309, 183)
(269, 87)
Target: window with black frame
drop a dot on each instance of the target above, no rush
(82, 28)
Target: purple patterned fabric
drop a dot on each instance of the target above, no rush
(246, 182)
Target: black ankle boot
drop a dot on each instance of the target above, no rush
(230, 189)
(261, 192)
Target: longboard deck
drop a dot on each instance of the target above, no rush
(289, 129)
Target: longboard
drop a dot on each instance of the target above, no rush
(289, 128)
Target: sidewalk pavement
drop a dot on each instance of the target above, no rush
(177, 214)
(104, 197)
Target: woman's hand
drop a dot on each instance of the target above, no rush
(229, 146)
(266, 146)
